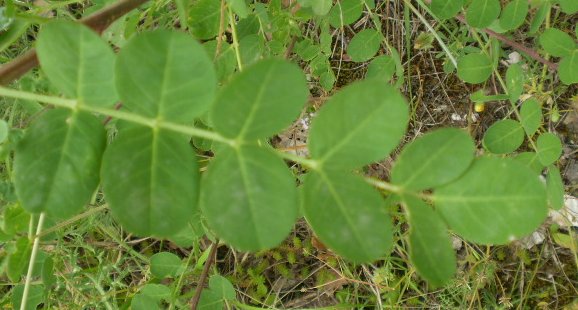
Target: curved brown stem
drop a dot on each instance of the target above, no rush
(98, 21)
(201, 284)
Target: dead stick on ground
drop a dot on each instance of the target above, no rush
(201, 284)
(98, 21)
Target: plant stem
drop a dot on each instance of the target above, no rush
(235, 39)
(204, 275)
(33, 254)
(134, 118)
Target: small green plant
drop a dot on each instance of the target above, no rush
(233, 98)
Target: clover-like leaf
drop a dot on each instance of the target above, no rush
(150, 180)
(430, 246)
(514, 14)
(78, 62)
(557, 43)
(433, 159)
(549, 148)
(530, 160)
(364, 45)
(165, 75)
(381, 67)
(205, 18)
(474, 68)
(359, 125)
(249, 198)
(515, 80)
(504, 136)
(56, 164)
(567, 68)
(481, 13)
(496, 201)
(445, 9)
(555, 188)
(345, 12)
(531, 116)
(347, 214)
(260, 101)
(165, 264)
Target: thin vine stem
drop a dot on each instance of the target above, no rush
(204, 274)
(33, 255)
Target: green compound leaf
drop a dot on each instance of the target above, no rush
(78, 62)
(549, 148)
(481, 13)
(57, 162)
(515, 80)
(249, 198)
(567, 68)
(569, 6)
(165, 264)
(381, 67)
(557, 43)
(205, 17)
(359, 125)
(345, 12)
(496, 201)
(531, 116)
(260, 101)
(150, 181)
(514, 14)
(430, 245)
(150, 296)
(347, 214)
(220, 289)
(433, 159)
(445, 9)
(165, 75)
(555, 188)
(504, 137)
(474, 68)
(364, 45)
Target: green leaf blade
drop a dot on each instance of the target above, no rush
(260, 101)
(433, 159)
(445, 9)
(88, 70)
(531, 116)
(557, 43)
(347, 214)
(345, 12)
(549, 148)
(205, 17)
(504, 137)
(496, 201)
(165, 264)
(150, 180)
(515, 80)
(249, 198)
(364, 45)
(514, 14)
(555, 188)
(177, 83)
(481, 13)
(474, 68)
(359, 125)
(431, 249)
(567, 68)
(57, 162)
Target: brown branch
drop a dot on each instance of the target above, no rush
(204, 274)
(517, 46)
(98, 21)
